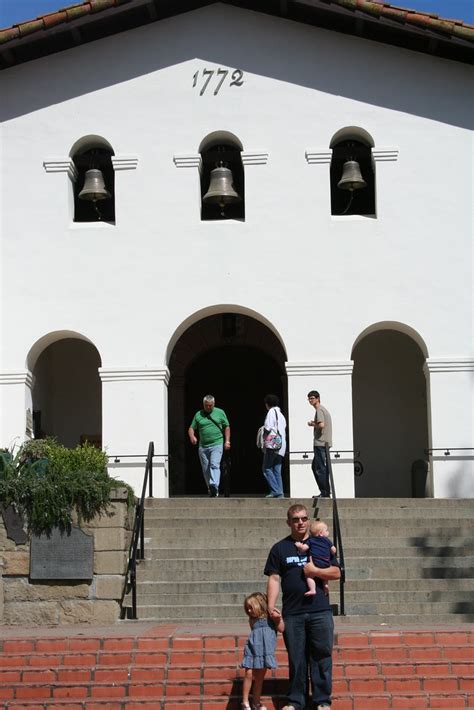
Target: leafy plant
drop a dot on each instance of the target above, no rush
(47, 483)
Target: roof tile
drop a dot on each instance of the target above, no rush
(99, 5)
(8, 34)
(26, 28)
(375, 8)
(72, 13)
(54, 18)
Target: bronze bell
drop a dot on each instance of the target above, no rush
(221, 189)
(94, 186)
(351, 177)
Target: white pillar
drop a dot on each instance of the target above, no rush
(16, 401)
(135, 412)
(333, 381)
(450, 387)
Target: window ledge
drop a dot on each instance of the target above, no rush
(352, 217)
(92, 225)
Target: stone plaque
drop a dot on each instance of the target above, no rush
(62, 555)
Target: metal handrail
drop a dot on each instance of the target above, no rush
(447, 450)
(336, 526)
(138, 535)
(337, 452)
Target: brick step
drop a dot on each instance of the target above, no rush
(127, 676)
(224, 689)
(341, 701)
(377, 669)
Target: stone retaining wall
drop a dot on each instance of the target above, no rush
(55, 603)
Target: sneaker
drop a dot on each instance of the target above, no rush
(213, 492)
(269, 495)
(324, 706)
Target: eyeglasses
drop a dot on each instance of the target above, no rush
(302, 519)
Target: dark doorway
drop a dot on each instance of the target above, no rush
(239, 360)
(239, 377)
(390, 414)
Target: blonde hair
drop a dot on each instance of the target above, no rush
(316, 527)
(258, 605)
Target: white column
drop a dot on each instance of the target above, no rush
(450, 387)
(16, 401)
(333, 381)
(135, 412)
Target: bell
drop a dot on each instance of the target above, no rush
(351, 177)
(221, 189)
(94, 186)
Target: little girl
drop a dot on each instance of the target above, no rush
(259, 651)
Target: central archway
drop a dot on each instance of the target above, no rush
(239, 360)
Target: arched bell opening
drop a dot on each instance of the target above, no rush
(222, 178)
(94, 188)
(352, 175)
(67, 394)
(238, 360)
(390, 415)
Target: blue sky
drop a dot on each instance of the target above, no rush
(13, 11)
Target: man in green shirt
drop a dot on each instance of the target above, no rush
(211, 427)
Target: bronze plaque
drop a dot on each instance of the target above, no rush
(62, 555)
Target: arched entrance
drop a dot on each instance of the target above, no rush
(390, 415)
(67, 396)
(238, 360)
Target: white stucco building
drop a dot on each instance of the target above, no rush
(113, 329)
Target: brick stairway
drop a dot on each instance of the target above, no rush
(168, 668)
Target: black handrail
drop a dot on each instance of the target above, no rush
(447, 450)
(336, 527)
(138, 536)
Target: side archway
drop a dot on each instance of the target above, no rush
(239, 360)
(66, 393)
(390, 412)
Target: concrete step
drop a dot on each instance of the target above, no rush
(283, 503)
(397, 548)
(355, 565)
(170, 598)
(229, 610)
(385, 586)
(250, 532)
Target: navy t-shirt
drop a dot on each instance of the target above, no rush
(285, 560)
(320, 550)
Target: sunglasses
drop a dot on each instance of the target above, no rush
(302, 519)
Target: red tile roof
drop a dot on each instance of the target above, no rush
(377, 9)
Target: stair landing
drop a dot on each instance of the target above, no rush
(139, 666)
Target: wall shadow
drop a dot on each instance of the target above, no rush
(375, 76)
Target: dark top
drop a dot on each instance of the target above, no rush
(320, 550)
(285, 560)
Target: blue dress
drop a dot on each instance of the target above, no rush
(259, 651)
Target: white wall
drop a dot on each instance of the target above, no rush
(320, 280)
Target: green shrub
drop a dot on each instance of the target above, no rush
(47, 483)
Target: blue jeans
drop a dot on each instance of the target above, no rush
(210, 458)
(320, 470)
(309, 640)
(272, 471)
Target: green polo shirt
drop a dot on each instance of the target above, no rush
(210, 432)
